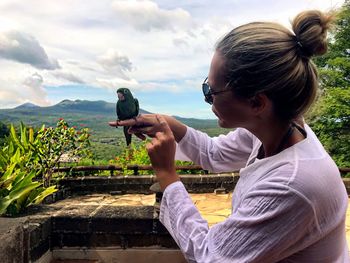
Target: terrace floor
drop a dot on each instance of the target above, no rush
(213, 207)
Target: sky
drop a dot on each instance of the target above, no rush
(161, 50)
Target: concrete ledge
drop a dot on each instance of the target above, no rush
(39, 233)
(118, 226)
(347, 184)
(47, 227)
(140, 184)
(24, 240)
(63, 224)
(109, 255)
(13, 240)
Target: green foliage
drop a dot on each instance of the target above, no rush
(18, 161)
(4, 130)
(134, 154)
(330, 116)
(137, 154)
(331, 123)
(61, 141)
(27, 160)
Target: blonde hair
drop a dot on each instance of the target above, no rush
(263, 57)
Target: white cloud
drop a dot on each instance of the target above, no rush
(115, 83)
(115, 63)
(146, 15)
(68, 76)
(33, 87)
(134, 85)
(15, 90)
(9, 98)
(153, 46)
(24, 48)
(181, 42)
(34, 81)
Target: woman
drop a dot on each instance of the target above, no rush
(290, 202)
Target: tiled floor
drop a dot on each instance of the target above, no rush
(214, 208)
(74, 261)
(347, 225)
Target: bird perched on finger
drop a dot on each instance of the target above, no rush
(127, 108)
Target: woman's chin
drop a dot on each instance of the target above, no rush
(222, 123)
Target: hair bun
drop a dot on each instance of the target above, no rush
(310, 28)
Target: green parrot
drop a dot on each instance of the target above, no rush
(127, 107)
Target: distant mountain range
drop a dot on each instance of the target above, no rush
(70, 106)
(27, 105)
(77, 111)
(106, 141)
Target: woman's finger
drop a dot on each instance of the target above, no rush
(140, 136)
(140, 121)
(165, 126)
(113, 123)
(136, 129)
(129, 122)
(149, 147)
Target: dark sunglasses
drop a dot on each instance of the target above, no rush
(208, 93)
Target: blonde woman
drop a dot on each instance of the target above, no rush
(290, 202)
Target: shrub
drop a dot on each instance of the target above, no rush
(27, 161)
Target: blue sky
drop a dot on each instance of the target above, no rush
(167, 102)
(161, 50)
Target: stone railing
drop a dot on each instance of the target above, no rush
(119, 169)
(136, 168)
(136, 183)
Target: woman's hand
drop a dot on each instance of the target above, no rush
(148, 124)
(140, 125)
(161, 151)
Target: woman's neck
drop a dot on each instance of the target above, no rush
(276, 136)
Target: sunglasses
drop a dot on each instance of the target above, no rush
(208, 93)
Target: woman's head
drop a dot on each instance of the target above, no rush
(267, 58)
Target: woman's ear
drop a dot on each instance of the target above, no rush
(259, 103)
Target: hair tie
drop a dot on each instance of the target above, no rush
(301, 49)
(299, 44)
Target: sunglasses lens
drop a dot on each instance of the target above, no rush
(208, 99)
(206, 92)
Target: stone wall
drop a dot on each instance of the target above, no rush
(54, 226)
(140, 184)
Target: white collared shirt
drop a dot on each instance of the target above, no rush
(290, 207)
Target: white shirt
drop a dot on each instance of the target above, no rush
(290, 207)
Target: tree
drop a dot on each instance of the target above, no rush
(4, 130)
(330, 116)
(56, 141)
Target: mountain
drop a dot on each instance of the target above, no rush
(68, 106)
(78, 111)
(81, 106)
(63, 109)
(106, 141)
(27, 105)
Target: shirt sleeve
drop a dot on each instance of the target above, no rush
(224, 153)
(270, 224)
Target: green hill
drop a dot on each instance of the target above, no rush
(35, 115)
(107, 141)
